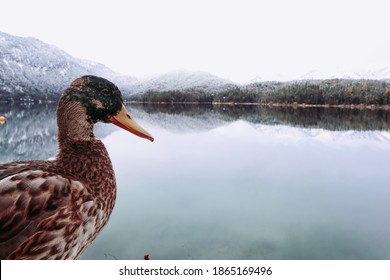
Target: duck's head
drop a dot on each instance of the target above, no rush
(91, 99)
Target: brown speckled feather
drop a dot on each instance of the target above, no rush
(55, 209)
(46, 213)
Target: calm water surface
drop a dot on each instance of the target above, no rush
(228, 183)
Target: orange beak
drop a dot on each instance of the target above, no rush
(123, 120)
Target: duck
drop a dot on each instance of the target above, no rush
(54, 209)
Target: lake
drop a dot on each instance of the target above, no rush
(235, 182)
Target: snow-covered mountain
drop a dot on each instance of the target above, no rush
(30, 67)
(182, 80)
(381, 73)
(373, 74)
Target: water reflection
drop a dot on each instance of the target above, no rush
(222, 183)
(30, 132)
(241, 191)
(310, 117)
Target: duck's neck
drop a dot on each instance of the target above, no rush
(80, 154)
(73, 123)
(85, 160)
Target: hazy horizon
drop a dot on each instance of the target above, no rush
(236, 40)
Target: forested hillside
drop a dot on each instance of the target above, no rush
(311, 92)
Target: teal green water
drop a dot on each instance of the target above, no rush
(244, 191)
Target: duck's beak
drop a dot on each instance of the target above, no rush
(123, 120)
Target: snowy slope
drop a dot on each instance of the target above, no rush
(373, 74)
(382, 73)
(182, 80)
(29, 67)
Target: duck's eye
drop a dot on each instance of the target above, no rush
(105, 91)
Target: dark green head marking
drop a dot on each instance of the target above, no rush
(101, 98)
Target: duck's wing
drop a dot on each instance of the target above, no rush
(38, 210)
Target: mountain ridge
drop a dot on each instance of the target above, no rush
(32, 69)
(182, 80)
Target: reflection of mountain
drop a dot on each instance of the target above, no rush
(30, 132)
(179, 118)
(210, 116)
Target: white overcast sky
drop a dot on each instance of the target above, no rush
(238, 40)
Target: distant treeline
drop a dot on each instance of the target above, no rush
(314, 92)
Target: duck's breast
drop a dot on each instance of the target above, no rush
(46, 216)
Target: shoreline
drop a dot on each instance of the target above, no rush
(294, 105)
(276, 105)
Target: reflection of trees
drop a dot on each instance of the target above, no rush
(28, 133)
(175, 109)
(316, 117)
